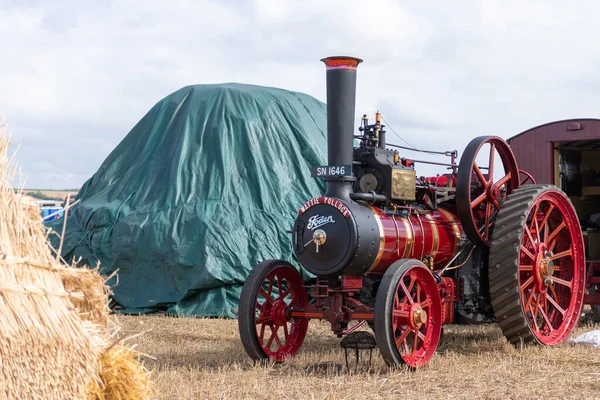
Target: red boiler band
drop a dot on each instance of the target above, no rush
(436, 234)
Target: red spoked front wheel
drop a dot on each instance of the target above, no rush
(266, 328)
(537, 266)
(487, 173)
(408, 314)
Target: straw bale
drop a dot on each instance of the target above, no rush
(54, 319)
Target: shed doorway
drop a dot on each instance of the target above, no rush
(577, 173)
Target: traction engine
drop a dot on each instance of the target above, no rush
(406, 255)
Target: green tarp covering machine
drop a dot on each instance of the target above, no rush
(200, 190)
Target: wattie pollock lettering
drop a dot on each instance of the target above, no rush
(325, 200)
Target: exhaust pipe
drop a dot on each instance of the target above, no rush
(341, 98)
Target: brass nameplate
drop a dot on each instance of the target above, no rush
(403, 184)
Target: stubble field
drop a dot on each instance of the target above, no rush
(204, 359)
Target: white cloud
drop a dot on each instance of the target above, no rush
(77, 75)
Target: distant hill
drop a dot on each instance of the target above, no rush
(44, 194)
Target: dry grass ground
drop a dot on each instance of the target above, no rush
(204, 358)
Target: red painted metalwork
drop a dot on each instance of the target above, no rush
(341, 62)
(527, 180)
(477, 193)
(278, 335)
(416, 315)
(352, 282)
(433, 233)
(336, 305)
(551, 258)
(447, 289)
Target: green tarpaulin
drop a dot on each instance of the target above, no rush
(203, 188)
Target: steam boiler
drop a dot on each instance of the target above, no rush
(406, 254)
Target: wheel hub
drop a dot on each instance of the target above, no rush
(278, 313)
(544, 267)
(493, 193)
(418, 316)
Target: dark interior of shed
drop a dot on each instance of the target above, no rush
(577, 172)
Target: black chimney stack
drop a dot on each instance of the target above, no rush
(341, 97)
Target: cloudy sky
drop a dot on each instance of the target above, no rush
(75, 76)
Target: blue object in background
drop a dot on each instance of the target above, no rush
(47, 211)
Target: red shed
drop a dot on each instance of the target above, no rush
(538, 149)
(567, 154)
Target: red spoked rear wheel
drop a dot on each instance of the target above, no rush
(408, 314)
(537, 266)
(266, 328)
(487, 173)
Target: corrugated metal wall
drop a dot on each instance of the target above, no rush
(534, 147)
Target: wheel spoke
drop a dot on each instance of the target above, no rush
(406, 292)
(551, 248)
(418, 294)
(551, 288)
(503, 180)
(480, 175)
(265, 295)
(528, 303)
(535, 210)
(273, 334)
(525, 268)
(286, 334)
(263, 319)
(566, 253)
(545, 317)
(528, 232)
(527, 283)
(535, 309)
(527, 252)
(555, 304)
(271, 281)
(478, 200)
(425, 304)
(537, 229)
(560, 281)
(488, 211)
(405, 345)
(555, 232)
(415, 341)
(396, 300)
(534, 318)
(420, 334)
(402, 338)
(277, 340)
(279, 288)
(400, 314)
(286, 292)
(548, 212)
(411, 284)
(496, 204)
(491, 163)
(261, 336)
